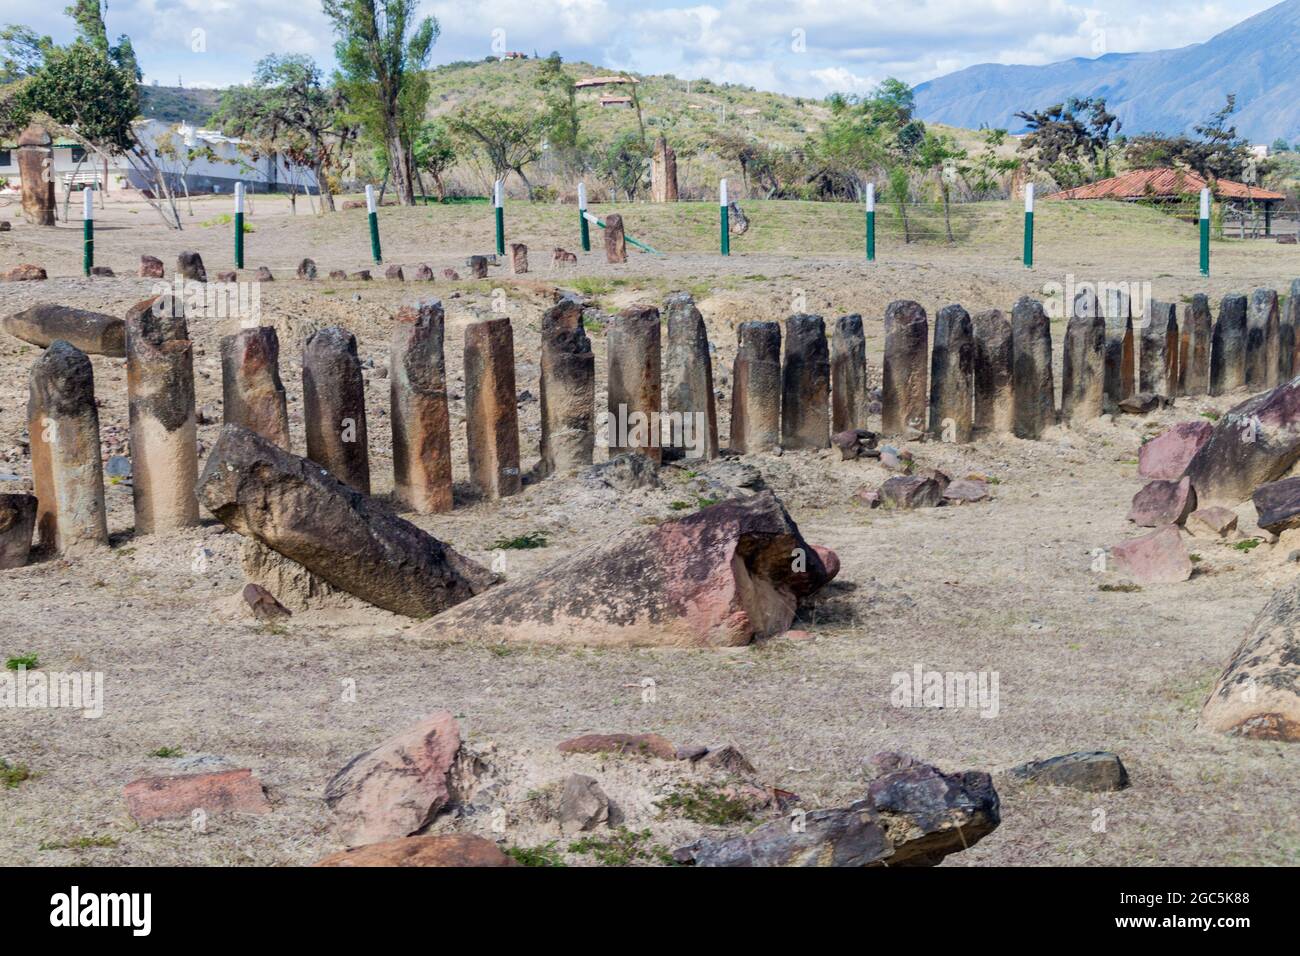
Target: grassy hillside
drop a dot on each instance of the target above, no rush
(173, 104)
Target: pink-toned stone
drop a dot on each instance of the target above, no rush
(1212, 522)
(25, 273)
(1163, 502)
(163, 798)
(397, 788)
(966, 491)
(911, 491)
(451, 274)
(1156, 558)
(798, 635)
(151, 267)
(868, 496)
(830, 561)
(456, 849)
(1167, 455)
(639, 745)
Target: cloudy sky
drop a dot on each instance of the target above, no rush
(808, 47)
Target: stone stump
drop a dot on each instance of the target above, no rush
(1158, 371)
(635, 384)
(1031, 379)
(160, 390)
(151, 267)
(1194, 347)
(67, 473)
(189, 266)
(849, 395)
(491, 411)
(1083, 364)
(307, 269)
(518, 258)
(952, 375)
(334, 407)
(688, 383)
(1228, 348)
(17, 523)
(36, 172)
(615, 241)
(252, 393)
(904, 399)
(420, 420)
(568, 387)
(994, 396)
(805, 384)
(478, 266)
(756, 388)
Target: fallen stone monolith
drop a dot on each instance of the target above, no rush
(849, 394)
(1262, 340)
(17, 524)
(67, 473)
(1096, 771)
(1277, 504)
(952, 375)
(420, 419)
(442, 850)
(1158, 365)
(1258, 694)
(904, 397)
(805, 384)
(1194, 347)
(252, 393)
(1083, 363)
(92, 332)
(1252, 443)
(568, 392)
(721, 576)
(1031, 345)
(351, 541)
(334, 406)
(164, 439)
(688, 383)
(756, 388)
(1228, 348)
(491, 410)
(633, 344)
(994, 396)
(615, 240)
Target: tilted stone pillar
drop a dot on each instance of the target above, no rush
(615, 241)
(67, 473)
(633, 344)
(36, 171)
(1120, 349)
(1194, 347)
(994, 409)
(164, 442)
(1262, 340)
(952, 375)
(421, 423)
(849, 395)
(491, 410)
(688, 383)
(904, 398)
(1083, 364)
(756, 388)
(334, 407)
(1032, 381)
(252, 393)
(568, 387)
(1228, 348)
(805, 384)
(1159, 362)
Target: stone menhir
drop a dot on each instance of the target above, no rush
(904, 399)
(568, 387)
(1031, 379)
(1286, 341)
(1120, 381)
(719, 577)
(849, 395)
(1293, 320)
(1194, 347)
(252, 394)
(307, 269)
(189, 266)
(1158, 365)
(353, 542)
(334, 407)
(1083, 362)
(805, 384)
(160, 390)
(67, 473)
(1253, 443)
(994, 396)
(1228, 348)
(688, 383)
(952, 375)
(633, 344)
(92, 332)
(518, 258)
(663, 172)
(420, 419)
(1262, 340)
(478, 266)
(35, 168)
(17, 523)
(756, 388)
(615, 241)
(491, 409)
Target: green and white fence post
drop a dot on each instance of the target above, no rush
(498, 200)
(871, 222)
(88, 232)
(239, 225)
(1029, 225)
(1205, 231)
(374, 224)
(582, 217)
(724, 218)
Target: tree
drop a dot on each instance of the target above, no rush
(873, 133)
(561, 104)
(1217, 152)
(24, 50)
(625, 163)
(1071, 140)
(382, 55)
(435, 153)
(939, 154)
(989, 166)
(508, 139)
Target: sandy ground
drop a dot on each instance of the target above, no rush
(1006, 586)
